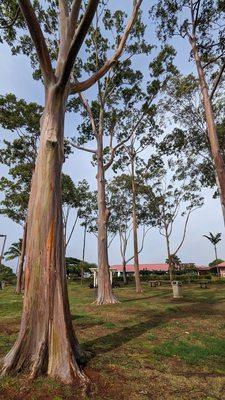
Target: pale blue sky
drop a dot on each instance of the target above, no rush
(16, 77)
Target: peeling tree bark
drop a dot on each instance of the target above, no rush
(46, 342)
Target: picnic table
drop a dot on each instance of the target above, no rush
(204, 285)
(154, 283)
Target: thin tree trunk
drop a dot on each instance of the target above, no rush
(135, 234)
(17, 265)
(217, 269)
(3, 249)
(171, 269)
(215, 252)
(83, 253)
(211, 127)
(19, 282)
(123, 246)
(46, 341)
(105, 294)
(124, 272)
(220, 195)
(169, 256)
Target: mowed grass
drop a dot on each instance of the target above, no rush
(148, 346)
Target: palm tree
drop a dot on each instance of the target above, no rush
(14, 250)
(214, 239)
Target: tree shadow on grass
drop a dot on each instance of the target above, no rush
(137, 299)
(115, 340)
(152, 296)
(86, 321)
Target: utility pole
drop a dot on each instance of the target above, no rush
(3, 247)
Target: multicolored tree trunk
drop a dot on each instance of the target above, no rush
(46, 342)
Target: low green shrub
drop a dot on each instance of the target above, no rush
(7, 275)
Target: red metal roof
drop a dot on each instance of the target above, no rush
(208, 268)
(149, 267)
(222, 265)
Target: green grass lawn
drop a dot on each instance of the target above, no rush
(147, 347)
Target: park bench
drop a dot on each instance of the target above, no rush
(204, 285)
(154, 283)
(114, 285)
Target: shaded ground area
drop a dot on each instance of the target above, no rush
(147, 347)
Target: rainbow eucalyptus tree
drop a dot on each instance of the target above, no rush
(18, 154)
(188, 141)
(105, 117)
(56, 31)
(201, 23)
(20, 122)
(121, 207)
(170, 201)
(142, 128)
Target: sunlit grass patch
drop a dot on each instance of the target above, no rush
(195, 349)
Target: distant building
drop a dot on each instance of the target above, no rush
(218, 269)
(164, 267)
(221, 268)
(142, 267)
(203, 269)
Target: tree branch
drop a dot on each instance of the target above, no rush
(106, 166)
(217, 81)
(63, 17)
(73, 18)
(212, 61)
(111, 240)
(184, 234)
(196, 16)
(77, 41)
(73, 227)
(38, 39)
(81, 147)
(81, 86)
(10, 24)
(143, 239)
(142, 244)
(89, 111)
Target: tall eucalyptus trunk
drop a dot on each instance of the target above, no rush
(218, 160)
(170, 256)
(83, 254)
(135, 227)
(124, 272)
(46, 341)
(105, 294)
(123, 247)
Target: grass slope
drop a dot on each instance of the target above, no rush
(147, 347)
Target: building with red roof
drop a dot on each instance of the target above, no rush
(164, 267)
(142, 267)
(219, 269)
